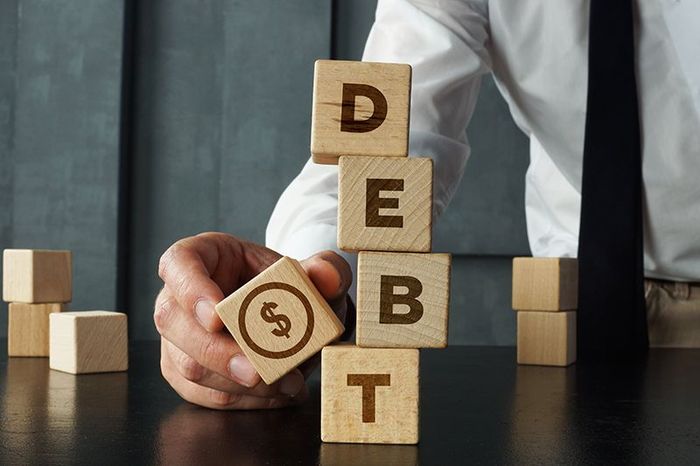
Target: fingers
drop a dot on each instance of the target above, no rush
(186, 268)
(218, 399)
(202, 269)
(216, 351)
(330, 273)
(188, 368)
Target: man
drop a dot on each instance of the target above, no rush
(538, 53)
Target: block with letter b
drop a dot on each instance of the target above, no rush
(385, 204)
(369, 395)
(360, 108)
(402, 299)
(279, 319)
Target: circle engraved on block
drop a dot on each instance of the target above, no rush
(309, 320)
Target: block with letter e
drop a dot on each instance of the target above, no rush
(385, 204)
(359, 108)
(279, 319)
(402, 299)
(369, 395)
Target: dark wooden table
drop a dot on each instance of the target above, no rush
(478, 407)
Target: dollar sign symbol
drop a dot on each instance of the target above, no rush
(281, 320)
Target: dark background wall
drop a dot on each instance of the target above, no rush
(126, 125)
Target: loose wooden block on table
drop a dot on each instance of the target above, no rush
(88, 341)
(37, 276)
(28, 328)
(403, 299)
(359, 108)
(547, 338)
(279, 319)
(545, 284)
(369, 395)
(385, 204)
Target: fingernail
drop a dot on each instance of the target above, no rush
(242, 370)
(291, 384)
(204, 311)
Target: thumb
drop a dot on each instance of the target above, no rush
(330, 273)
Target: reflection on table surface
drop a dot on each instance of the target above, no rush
(476, 406)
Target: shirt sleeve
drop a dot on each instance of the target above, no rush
(445, 43)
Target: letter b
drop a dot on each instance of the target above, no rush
(388, 299)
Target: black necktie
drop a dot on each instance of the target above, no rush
(612, 314)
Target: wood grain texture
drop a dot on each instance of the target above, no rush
(279, 319)
(385, 204)
(37, 276)
(351, 413)
(403, 300)
(547, 338)
(545, 284)
(332, 133)
(28, 328)
(88, 341)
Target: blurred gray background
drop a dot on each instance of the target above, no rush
(126, 125)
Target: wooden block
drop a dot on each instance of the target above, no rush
(37, 276)
(403, 300)
(28, 328)
(279, 319)
(360, 108)
(545, 284)
(547, 338)
(88, 341)
(369, 395)
(385, 204)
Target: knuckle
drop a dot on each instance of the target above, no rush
(163, 313)
(208, 351)
(169, 257)
(219, 399)
(190, 369)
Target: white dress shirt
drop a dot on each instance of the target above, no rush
(537, 51)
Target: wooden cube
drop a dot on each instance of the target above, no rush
(403, 300)
(36, 276)
(359, 108)
(369, 395)
(28, 328)
(545, 284)
(88, 341)
(279, 319)
(547, 338)
(385, 204)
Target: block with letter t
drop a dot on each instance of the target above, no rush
(360, 108)
(369, 395)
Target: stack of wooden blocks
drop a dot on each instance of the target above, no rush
(545, 296)
(369, 391)
(37, 284)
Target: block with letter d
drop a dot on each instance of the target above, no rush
(385, 204)
(360, 108)
(403, 300)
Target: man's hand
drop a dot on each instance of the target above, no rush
(199, 358)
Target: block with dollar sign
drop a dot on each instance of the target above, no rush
(279, 319)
